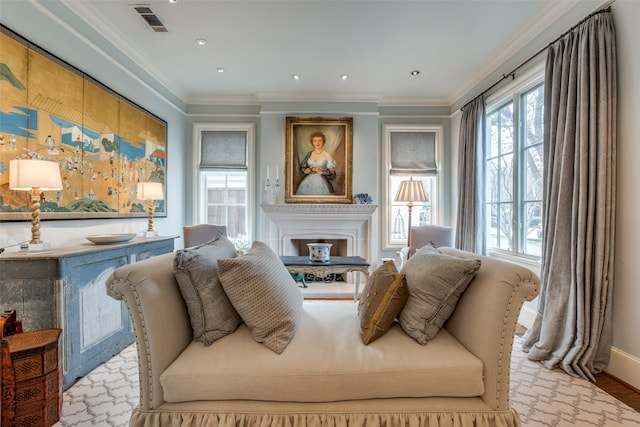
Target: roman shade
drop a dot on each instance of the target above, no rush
(413, 153)
(223, 149)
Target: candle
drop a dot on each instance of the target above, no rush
(267, 172)
(277, 171)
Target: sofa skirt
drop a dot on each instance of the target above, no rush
(152, 418)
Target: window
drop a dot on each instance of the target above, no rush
(224, 190)
(409, 151)
(514, 172)
(420, 213)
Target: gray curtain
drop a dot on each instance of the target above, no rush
(572, 329)
(470, 225)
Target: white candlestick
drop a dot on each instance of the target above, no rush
(277, 171)
(267, 172)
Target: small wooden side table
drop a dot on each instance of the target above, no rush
(31, 378)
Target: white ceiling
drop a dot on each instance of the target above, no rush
(454, 44)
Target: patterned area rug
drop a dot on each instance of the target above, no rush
(543, 398)
(105, 397)
(553, 398)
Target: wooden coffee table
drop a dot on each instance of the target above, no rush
(335, 265)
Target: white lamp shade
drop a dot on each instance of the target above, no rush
(25, 174)
(150, 191)
(411, 191)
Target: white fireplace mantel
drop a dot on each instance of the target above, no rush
(351, 222)
(319, 209)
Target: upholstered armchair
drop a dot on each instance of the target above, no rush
(200, 234)
(422, 235)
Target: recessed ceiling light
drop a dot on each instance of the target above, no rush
(344, 76)
(295, 76)
(415, 72)
(173, 1)
(220, 70)
(201, 42)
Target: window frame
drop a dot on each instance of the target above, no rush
(512, 93)
(436, 200)
(199, 196)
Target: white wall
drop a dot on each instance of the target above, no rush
(365, 138)
(625, 361)
(625, 355)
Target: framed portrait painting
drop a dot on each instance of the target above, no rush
(318, 160)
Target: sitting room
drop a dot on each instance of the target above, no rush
(325, 140)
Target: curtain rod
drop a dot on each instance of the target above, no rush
(512, 73)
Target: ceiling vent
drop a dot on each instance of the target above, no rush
(150, 18)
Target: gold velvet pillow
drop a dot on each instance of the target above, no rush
(382, 299)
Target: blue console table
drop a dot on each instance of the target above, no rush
(65, 288)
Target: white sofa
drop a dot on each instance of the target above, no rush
(326, 376)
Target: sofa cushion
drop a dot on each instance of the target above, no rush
(435, 282)
(211, 314)
(382, 299)
(264, 294)
(324, 362)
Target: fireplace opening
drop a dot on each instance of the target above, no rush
(338, 248)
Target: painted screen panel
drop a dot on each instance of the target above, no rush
(103, 143)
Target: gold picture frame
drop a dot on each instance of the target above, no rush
(318, 174)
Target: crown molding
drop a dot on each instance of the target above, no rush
(540, 24)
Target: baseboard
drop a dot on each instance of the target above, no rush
(527, 317)
(625, 367)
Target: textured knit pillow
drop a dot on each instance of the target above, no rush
(435, 282)
(264, 294)
(211, 313)
(382, 299)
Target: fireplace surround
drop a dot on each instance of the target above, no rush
(285, 224)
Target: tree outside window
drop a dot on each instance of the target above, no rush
(514, 180)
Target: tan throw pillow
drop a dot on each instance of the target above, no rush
(211, 313)
(435, 282)
(264, 294)
(382, 299)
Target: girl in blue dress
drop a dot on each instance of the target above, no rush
(318, 168)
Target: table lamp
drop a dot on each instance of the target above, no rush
(411, 191)
(150, 191)
(34, 176)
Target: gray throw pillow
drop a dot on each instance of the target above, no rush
(211, 313)
(264, 294)
(435, 282)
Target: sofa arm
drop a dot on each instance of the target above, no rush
(486, 315)
(159, 317)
